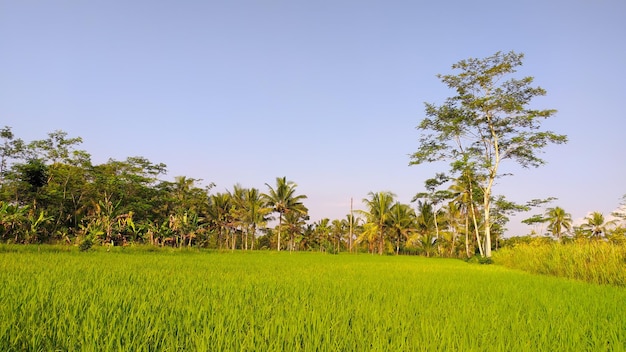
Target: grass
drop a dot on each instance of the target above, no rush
(591, 261)
(137, 300)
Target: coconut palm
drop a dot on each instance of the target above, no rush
(368, 235)
(378, 212)
(595, 225)
(219, 210)
(256, 213)
(283, 199)
(338, 230)
(558, 221)
(401, 223)
(322, 232)
(425, 237)
(454, 221)
(463, 189)
(293, 224)
(351, 223)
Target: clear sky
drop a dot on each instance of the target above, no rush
(324, 92)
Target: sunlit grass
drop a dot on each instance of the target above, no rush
(267, 301)
(592, 261)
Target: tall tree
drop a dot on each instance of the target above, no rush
(322, 233)
(558, 221)
(425, 228)
(435, 197)
(595, 225)
(463, 191)
(283, 199)
(401, 223)
(378, 212)
(294, 223)
(11, 148)
(338, 229)
(486, 122)
(352, 223)
(220, 214)
(256, 214)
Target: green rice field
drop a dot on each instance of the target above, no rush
(54, 299)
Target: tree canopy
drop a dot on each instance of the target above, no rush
(488, 120)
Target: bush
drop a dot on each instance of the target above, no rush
(85, 245)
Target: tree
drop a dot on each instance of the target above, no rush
(283, 199)
(219, 210)
(401, 223)
(435, 197)
(486, 122)
(595, 225)
(463, 191)
(424, 236)
(453, 220)
(352, 223)
(338, 229)
(322, 233)
(293, 224)
(620, 213)
(369, 235)
(558, 221)
(378, 212)
(256, 213)
(10, 149)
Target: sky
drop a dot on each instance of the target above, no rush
(327, 92)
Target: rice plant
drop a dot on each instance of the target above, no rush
(592, 261)
(136, 300)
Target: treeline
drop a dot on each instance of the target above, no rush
(51, 192)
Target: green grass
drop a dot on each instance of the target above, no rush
(135, 300)
(591, 261)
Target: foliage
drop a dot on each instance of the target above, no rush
(283, 200)
(488, 121)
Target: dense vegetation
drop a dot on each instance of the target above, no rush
(191, 299)
(51, 192)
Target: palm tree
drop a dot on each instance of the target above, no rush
(352, 223)
(283, 199)
(338, 229)
(558, 221)
(425, 228)
(595, 225)
(294, 223)
(368, 235)
(379, 210)
(463, 189)
(322, 233)
(219, 210)
(401, 223)
(256, 213)
(308, 237)
(454, 217)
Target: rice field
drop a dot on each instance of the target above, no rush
(592, 261)
(137, 300)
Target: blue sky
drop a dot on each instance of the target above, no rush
(327, 93)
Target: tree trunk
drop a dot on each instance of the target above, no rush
(436, 230)
(280, 225)
(253, 237)
(467, 251)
